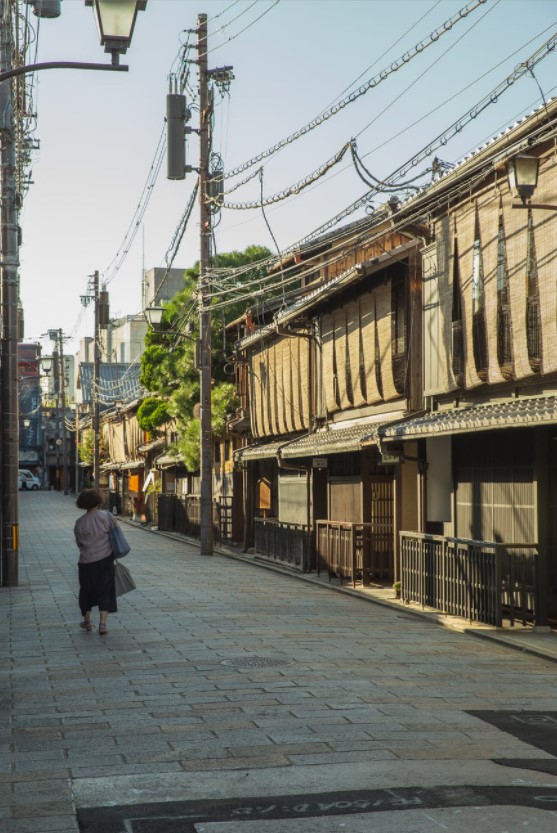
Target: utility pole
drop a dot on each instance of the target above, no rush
(96, 384)
(9, 263)
(62, 377)
(206, 450)
(95, 296)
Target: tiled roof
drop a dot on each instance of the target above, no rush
(326, 441)
(260, 451)
(531, 411)
(333, 441)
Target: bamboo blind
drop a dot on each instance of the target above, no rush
(339, 318)
(272, 390)
(465, 229)
(354, 352)
(367, 322)
(255, 397)
(383, 320)
(303, 352)
(328, 362)
(445, 271)
(545, 235)
(488, 215)
(516, 245)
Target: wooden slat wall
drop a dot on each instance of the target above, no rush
(488, 214)
(545, 234)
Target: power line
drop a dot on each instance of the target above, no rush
(373, 82)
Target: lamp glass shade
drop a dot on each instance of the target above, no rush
(154, 315)
(46, 365)
(115, 21)
(523, 175)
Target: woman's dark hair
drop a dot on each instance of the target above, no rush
(88, 499)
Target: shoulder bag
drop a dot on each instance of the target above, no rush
(118, 543)
(122, 579)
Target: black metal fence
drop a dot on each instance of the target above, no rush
(283, 542)
(481, 581)
(177, 513)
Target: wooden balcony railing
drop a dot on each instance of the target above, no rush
(356, 550)
(481, 581)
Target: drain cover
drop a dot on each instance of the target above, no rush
(255, 662)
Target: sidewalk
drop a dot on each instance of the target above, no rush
(540, 642)
(227, 698)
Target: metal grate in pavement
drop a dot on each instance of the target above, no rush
(255, 662)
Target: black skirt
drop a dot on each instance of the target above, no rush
(96, 585)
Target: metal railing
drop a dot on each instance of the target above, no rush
(356, 550)
(182, 514)
(283, 542)
(481, 581)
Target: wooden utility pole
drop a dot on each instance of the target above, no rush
(96, 384)
(9, 263)
(204, 358)
(62, 382)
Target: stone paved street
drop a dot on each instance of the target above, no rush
(227, 698)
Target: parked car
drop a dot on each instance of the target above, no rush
(28, 481)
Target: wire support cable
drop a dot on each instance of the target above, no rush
(293, 189)
(115, 264)
(363, 89)
(441, 140)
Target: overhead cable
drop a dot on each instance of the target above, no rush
(373, 82)
(293, 189)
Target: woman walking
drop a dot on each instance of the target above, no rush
(96, 562)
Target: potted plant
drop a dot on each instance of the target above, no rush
(396, 588)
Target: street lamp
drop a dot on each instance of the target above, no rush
(153, 316)
(46, 365)
(115, 22)
(522, 173)
(116, 19)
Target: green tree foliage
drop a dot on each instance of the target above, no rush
(87, 449)
(152, 413)
(168, 363)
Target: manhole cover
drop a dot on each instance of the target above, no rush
(255, 662)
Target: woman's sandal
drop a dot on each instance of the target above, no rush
(86, 625)
(102, 629)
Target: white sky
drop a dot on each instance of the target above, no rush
(98, 131)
